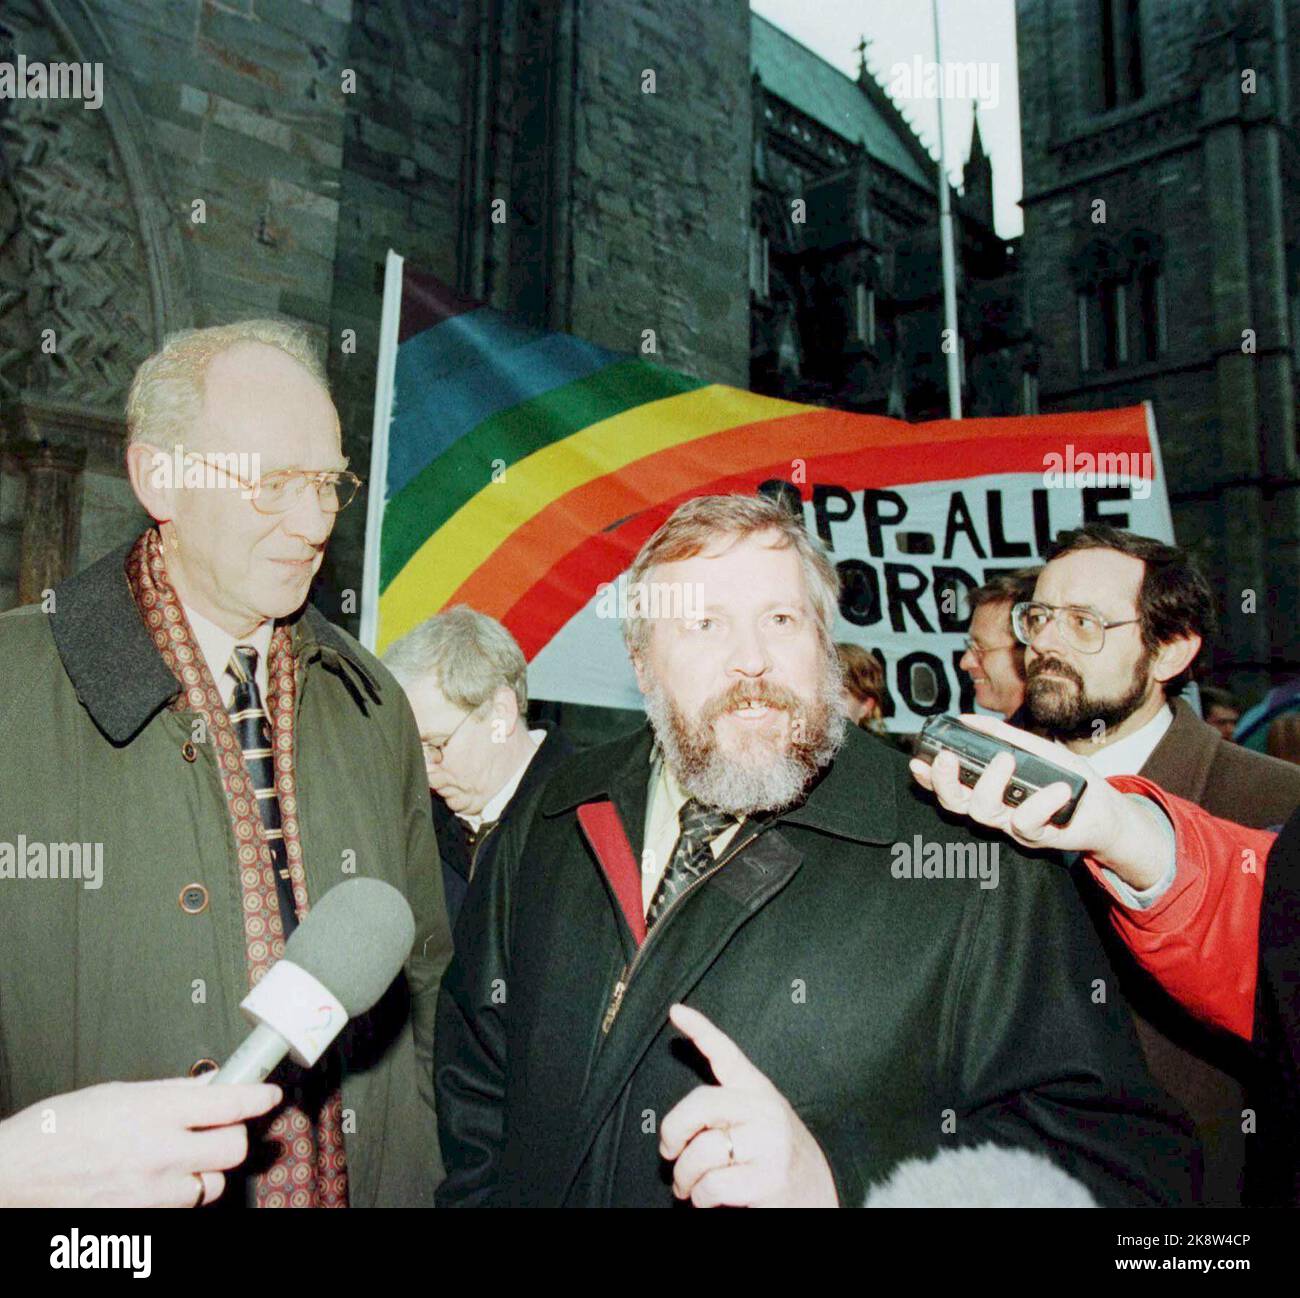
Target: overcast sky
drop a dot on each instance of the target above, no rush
(982, 32)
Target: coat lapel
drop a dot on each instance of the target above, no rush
(1181, 761)
(674, 958)
(602, 827)
(107, 652)
(617, 777)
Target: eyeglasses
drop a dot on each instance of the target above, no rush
(978, 651)
(433, 752)
(279, 492)
(1083, 629)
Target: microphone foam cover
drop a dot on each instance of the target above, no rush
(985, 1176)
(354, 939)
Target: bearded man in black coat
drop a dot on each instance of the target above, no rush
(737, 958)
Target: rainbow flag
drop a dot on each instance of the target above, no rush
(519, 471)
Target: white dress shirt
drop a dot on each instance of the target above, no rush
(1128, 756)
(217, 646)
(498, 802)
(663, 827)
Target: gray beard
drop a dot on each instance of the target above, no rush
(740, 787)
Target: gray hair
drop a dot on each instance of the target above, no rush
(466, 654)
(166, 394)
(695, 524)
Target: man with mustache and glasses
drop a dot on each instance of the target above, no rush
(1111, 633)
(718, 966)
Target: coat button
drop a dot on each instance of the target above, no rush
(189, 752)
(201, 1066)
(194, 899)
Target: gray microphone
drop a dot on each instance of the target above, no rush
(337, 963)
(982, 1176)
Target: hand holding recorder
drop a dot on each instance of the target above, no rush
(1006, 793)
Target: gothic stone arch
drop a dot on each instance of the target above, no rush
(92, 276)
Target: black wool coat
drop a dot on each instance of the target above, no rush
(460, 859)
(895, 1014)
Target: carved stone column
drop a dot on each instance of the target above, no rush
(51, 515)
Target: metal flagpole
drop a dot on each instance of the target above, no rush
(377, 486)
(946, 242)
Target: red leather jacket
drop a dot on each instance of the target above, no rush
(1201, 939)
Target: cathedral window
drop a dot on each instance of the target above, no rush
(1028, 393)
(1103, 326)
(865, 314)
(1151, 312)
(1123, 75)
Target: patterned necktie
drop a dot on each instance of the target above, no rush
(253, 731)
(692, 856)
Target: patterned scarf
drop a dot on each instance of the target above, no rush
(297, 1157)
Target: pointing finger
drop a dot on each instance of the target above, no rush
(728, 1061)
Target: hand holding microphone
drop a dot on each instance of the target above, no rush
(168, 1143)
(128, 1145)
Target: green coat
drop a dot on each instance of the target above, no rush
(121, 982)
(897, 1014)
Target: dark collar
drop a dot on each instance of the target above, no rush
(1181, 761)
(110, 658)
(855, 798)
(555, 749)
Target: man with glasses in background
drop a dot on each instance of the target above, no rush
(225, 756)
(1110, 635)
(467, 680)
(994, 658)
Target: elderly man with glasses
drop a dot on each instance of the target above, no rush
(1114, 626)
(180, 714)
(467, 681)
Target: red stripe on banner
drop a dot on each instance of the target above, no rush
(836, 445)
(643, 494)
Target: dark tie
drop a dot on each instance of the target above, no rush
(691, 857)
(475, 836)
(253, 731)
